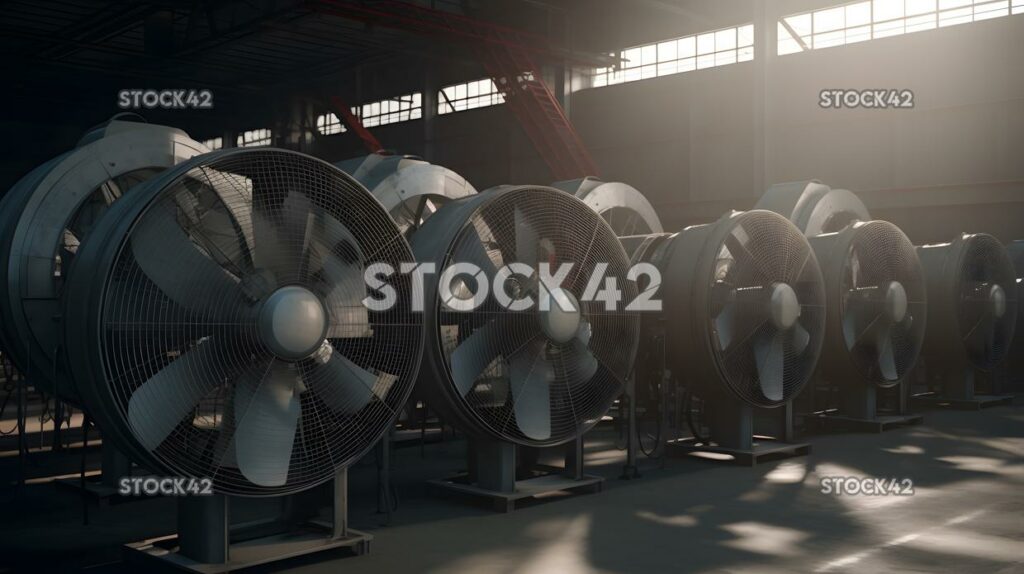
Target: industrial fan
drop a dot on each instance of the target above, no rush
(408, 187)
(625, 209)
(813, 207)
(744, 315)
(50, 211)
(226, 333)
(523, 373)
(875, 294)
(972, 313)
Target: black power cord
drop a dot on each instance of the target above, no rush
(688, 409)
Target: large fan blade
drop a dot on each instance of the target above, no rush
(769, 353)
(584, 332)
(235, 192)
(169, 258)
(219, 229)
(578, 361)
(267, 248)
(981, 337)
(349, 317)
(224, 446)
(472, 251)
(863, 312)
(330, 237)
(268, 416)
(531, 377)
(886, 357)
(724, 324)
(282, 243)
(343, 385)
(800, 338)
(527, 241)
(473, 355)
(162, 402)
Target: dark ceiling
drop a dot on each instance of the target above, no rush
(72, 53)
(64, 61)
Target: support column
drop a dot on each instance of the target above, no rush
(496, 466)
(859, 399)
(203, 528)
(732, 424)
(574, 459)
(630, 469)
(764, 37)
(430, 89)
(959, 384)
(340, 503)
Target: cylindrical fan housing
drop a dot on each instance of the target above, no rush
(743, 307)
(972, 301)
(625, 209)
(813, 207)
(46, 215)
(411, 189)
(526, 376)
(876, 303)
(215, 324)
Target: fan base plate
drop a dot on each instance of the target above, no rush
(764, 449)
(162, 554)
(975, 403)
(876, 425)
(537, 488)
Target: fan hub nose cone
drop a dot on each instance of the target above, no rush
(560, 325)
(293, 322)
(997, 298)
(896, 301)
(785, 307)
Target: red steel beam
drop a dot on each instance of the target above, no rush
(344, 112)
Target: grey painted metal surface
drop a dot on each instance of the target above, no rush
(813, 206)
(409, 188)
(625, 209)
(49, 212)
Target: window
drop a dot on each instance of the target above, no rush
(696, 52)
(872, 19)
(253, 138)
(476, 94)
(328, 124)
(393, 110)
(214, 143)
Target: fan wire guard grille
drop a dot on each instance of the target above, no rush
(534, 225)
(880, 255)
(985, 264)
(181, 323)
(761, 251)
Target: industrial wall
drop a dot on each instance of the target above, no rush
(702, 142)
(690, 141)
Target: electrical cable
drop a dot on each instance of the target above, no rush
(688, 409)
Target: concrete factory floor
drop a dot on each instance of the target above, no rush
(966, 514)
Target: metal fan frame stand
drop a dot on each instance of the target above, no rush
(734, 431)
(114, 465)
(494, 472)
(858, 409)
(207, 542)
(958, 389)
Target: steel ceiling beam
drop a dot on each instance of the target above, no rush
(453, 26)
